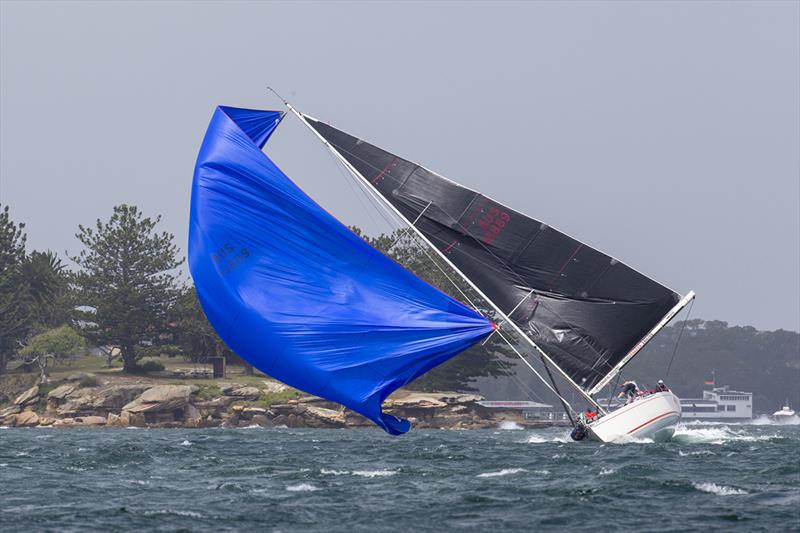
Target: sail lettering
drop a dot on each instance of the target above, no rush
(492, 223)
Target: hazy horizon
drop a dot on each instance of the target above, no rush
(665, 134)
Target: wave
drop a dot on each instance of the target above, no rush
(607, 471)
(719, 490)
(360, 473)
(374, 473)
(503, 472)
(715, 435)
(185, 443)
(302, 487)
(541, 439)
(509, 425)
(190, 514)
(698, 452)
(764, 420)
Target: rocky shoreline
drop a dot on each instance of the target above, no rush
(81, 400)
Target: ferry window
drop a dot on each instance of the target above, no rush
(731, 408)
(720, 408)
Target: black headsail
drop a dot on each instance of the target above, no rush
(583, 308)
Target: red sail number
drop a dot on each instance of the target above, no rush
(492, 223)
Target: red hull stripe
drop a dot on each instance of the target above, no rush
(653, 420)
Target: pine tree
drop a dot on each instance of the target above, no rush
(127, 282)
(15, 311)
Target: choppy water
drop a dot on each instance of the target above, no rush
(710, 477)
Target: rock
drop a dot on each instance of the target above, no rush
(113, 420)
(115, 397)
(161, 398)
(46, 421)
(214, 407)
(237, 408)
(26, 419)
(10, 410)
(29, 396)
(90, 420)
(329, 416)
(60, 393)
(124, 419)
(280, 420)
(78, 402)
(274, 387)
(261, 420)
(64, 422)
(80, 376)
(244, 393)
(166, 393)
(250, 412)
(192, 417)
(136, 420)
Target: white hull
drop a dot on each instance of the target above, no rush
(654, 416)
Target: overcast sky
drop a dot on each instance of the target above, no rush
(665, 134)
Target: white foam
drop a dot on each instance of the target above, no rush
(191, 514)
(606, 471)
(302, 487)
(764, 420)
(509, 425)
(698, 452)
(719, 490)
(503, 472)
(715, 435)
(326, 472)
(374, 473)
(3, 464)
(536, 438)
(185, 443)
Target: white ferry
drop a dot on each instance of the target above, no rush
(718, 403)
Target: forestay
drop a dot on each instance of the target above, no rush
(583, 308)
(297, 294)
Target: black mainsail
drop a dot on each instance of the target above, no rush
(589, 312)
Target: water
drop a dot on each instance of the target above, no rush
(713, 477)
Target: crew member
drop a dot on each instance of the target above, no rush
(660, 387)
(629, 389)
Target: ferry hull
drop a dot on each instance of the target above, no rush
(653, 417)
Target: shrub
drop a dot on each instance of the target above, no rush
(150, 366)
(88, 381)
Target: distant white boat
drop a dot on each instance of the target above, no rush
(784, 413)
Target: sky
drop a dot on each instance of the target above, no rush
(666, 134)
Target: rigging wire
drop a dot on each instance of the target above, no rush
(505, 267)
(425, 251)
(678, 341)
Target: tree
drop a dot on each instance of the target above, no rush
(15, 311)
(127, 282)
(492, 359)
(194, 334)
(55, 343)
(47, 282)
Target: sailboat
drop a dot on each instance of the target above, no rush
(294, 292)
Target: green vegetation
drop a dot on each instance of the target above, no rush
(55, 343)
(268, 399)
(126, 284)
(766, 363)
(493, 359)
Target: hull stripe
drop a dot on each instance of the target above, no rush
(653, 420)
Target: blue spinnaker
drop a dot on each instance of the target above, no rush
(298, 295)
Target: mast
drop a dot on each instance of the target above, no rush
(374, 192)
(641, 344)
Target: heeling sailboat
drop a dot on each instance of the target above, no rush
(583, 312)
